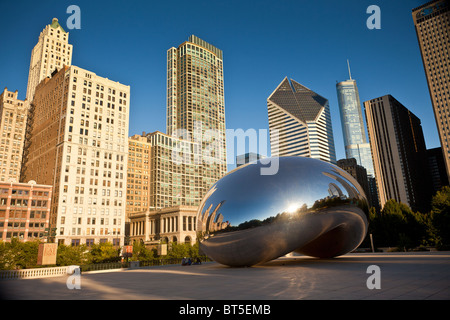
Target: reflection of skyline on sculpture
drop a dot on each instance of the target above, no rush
(290, 197)
(245, 207)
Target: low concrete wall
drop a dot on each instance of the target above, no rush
(36, 273)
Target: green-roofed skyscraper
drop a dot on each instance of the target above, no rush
(51, 53)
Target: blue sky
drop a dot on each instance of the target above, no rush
(263, 42)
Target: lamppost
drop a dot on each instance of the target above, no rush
(49, 233)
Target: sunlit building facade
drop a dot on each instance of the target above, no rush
(51, 53)
(175, 177)
(432, 24)
(138, 174)
(24, 211)
(300, 123)
(77, 142)
(13, 120)
(196, 105)
(169, 225)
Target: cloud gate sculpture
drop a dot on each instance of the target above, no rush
(309, 206)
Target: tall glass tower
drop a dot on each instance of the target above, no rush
(355, 138)
(196, 105)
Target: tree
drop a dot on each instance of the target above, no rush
(18, 255)
(180, 250)
(141, 252)
(103, 252)
(71, 255)
(397, 225)
(6, 258)
(194, 250)
(440, 217)
(27, 256)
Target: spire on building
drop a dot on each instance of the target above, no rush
(55, 24)
(349, 72)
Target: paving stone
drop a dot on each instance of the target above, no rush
(404, 276)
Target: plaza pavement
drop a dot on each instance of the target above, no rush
(403, 276)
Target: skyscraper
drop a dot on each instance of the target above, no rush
(138, 174)
(432, 24)
(51, 53)
(13, 120)
(436, 165)
(399, 153)
(78, 143)
(300, 123)
(355, 140)
(176, 178)
(196, 105)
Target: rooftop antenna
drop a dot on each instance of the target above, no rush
(349, 73)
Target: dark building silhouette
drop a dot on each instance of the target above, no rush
(399, 153)
(436, 166)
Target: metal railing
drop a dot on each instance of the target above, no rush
(104, 266)
(148, 263)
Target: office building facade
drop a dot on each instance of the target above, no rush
(24, 211)
(399, 153)
(436, 166)
(176, 175)
(13, 120)
(138, 174)
(77, 141)
(196, 104)
(169, 225)
(432, 24)
(51, 53)
(300, 123)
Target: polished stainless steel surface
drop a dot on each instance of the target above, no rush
(309, 206)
